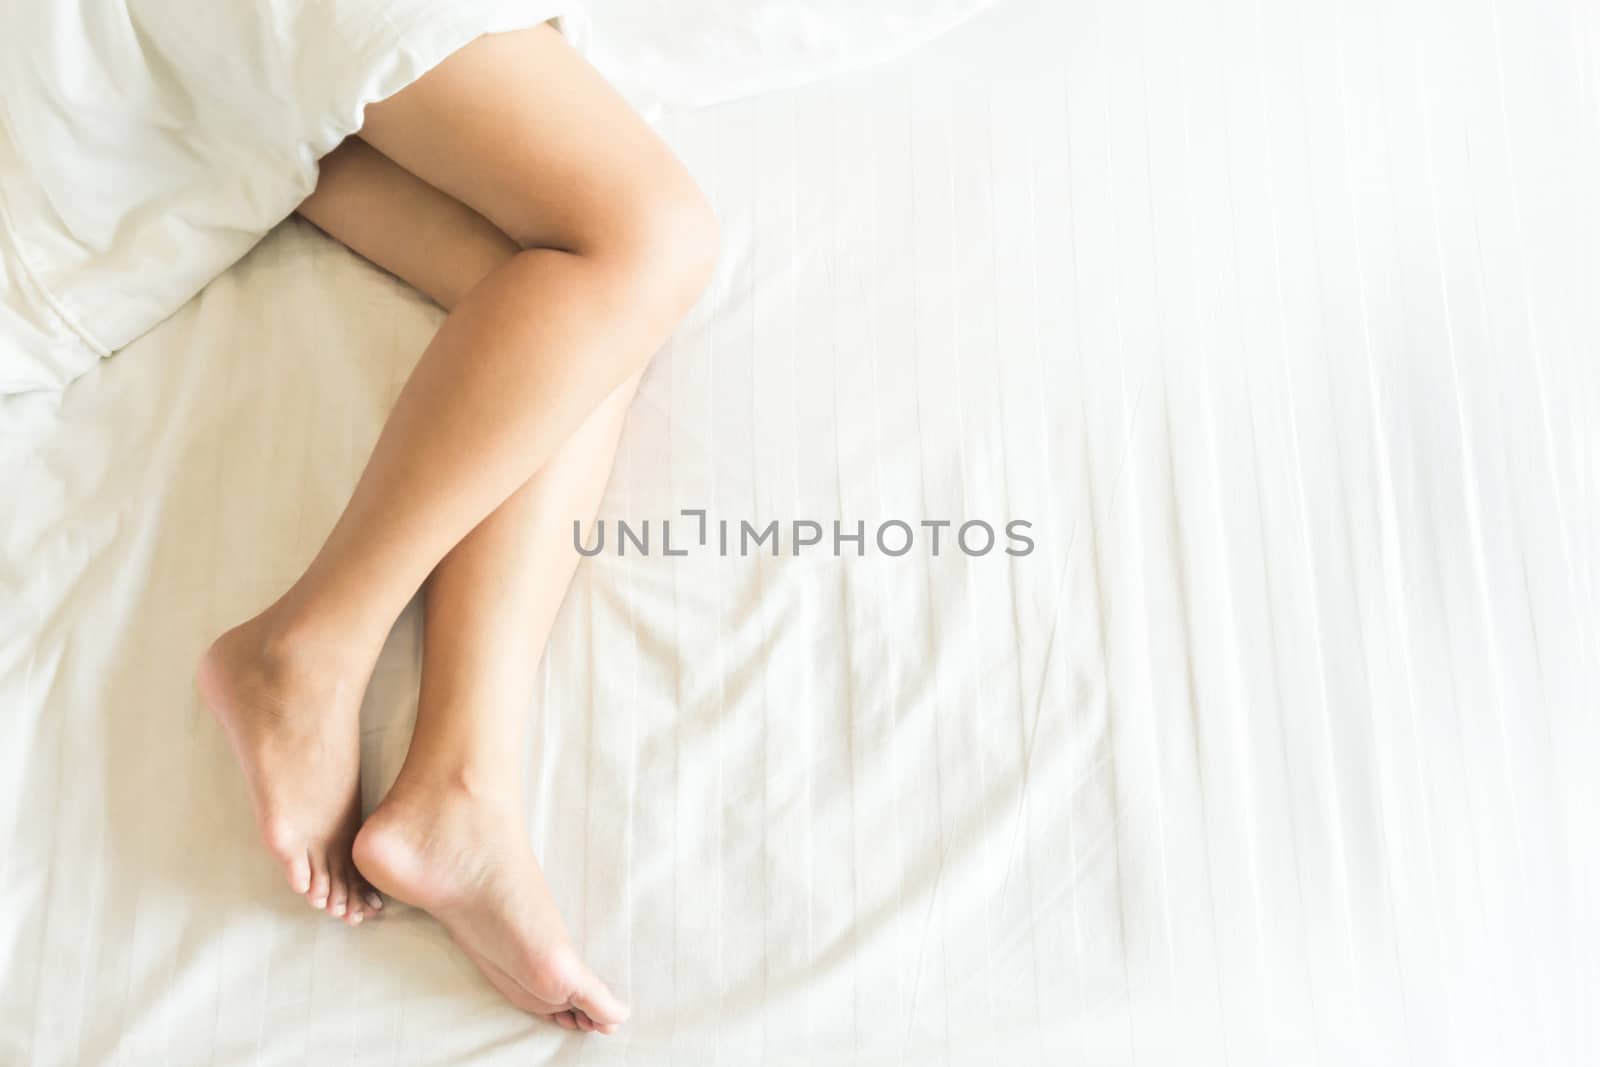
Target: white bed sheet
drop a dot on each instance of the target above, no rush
(1277, 322)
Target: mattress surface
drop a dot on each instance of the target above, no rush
(1275, 324)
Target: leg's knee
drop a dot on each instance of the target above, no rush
(698, 238)
(666, 249)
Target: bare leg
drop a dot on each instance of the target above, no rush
(451, 837)
(612, 243)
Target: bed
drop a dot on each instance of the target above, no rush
(1275, 323)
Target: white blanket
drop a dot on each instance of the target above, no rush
(1281, 749)
(145, 145)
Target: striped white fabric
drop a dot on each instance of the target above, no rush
(1275, 320)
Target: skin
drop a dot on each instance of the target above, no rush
(515, 188)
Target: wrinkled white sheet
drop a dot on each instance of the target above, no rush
(1274, 320)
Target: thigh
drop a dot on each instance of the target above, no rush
(522, 129)
(385, 213)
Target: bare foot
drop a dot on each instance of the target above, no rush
(466, 860)
(294, 721)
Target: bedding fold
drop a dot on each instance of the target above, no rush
(145, 145)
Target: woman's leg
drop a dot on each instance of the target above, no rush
(451, 836)
(614, 244)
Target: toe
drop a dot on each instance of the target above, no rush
(318, 893)
(361, 890)
(298, 869)
(356, 909)
(599, 1003)
(338, 894)
(565, 1020)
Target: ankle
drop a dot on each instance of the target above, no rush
(482, 784)
(311, 619)
(287, 642)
